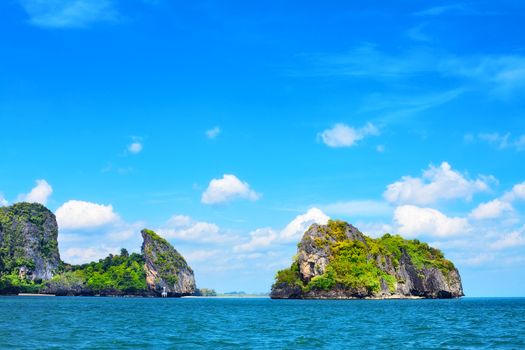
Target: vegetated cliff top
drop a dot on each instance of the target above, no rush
(28, 240)
(338, 261)
(30, 261)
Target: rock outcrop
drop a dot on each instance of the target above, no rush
(30, 262)
(166, 270)
(336, 261)
(28, 241)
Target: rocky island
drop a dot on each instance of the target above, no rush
(337, 261)
(30, 262)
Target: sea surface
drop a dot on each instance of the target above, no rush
(210, 323)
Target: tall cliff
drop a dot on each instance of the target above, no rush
(337, 261)
(28, 241)
(165, 268)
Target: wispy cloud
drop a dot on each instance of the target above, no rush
(342, 135)
(69, 13)
(501, 75)
(213, 132)
(458, 8)
(500, 141)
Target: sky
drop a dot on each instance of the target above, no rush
(230, 126)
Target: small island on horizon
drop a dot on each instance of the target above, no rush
(334, 261)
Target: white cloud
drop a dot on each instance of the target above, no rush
(186, 229)
(517, 193)
(295, 229)
(513, 239)
(380, 148)
(260, 238)
(213, 132)
(436, 183)
(39, 194)
(500, 75)
(265, 237)
(491, 210)
(342, 135)
(439, 10)
(504, 141)
(202, 255)
(69, 13)
(415, 221)
(478, 259)
(179, 221)
(227, 189)
(3, 201)
(76, 214)
(374, 229)
(135, 147)
(87, 254)
(367, 208)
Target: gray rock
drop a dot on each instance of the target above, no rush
(315, 253)
(165, 268)
(28, 241)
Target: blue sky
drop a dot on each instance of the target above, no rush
(230, 126)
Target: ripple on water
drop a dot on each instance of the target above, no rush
(121, 323)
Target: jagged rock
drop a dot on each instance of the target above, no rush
(336, 261)
(28, 241)
(165, 268)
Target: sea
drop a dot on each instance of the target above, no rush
(260, 323)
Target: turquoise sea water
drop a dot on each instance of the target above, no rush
(199, 323)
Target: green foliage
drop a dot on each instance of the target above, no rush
(166, 259)
(205, 292)
(361, 265)
(289, 276)
(421, 254)
(121, 273)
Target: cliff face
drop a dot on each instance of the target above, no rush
(337, 261)
(28, 241)
(165, 267)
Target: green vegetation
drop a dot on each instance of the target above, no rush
(16, 248)
(165, 258)
(123, 274)
(205, 292)
(361, 265)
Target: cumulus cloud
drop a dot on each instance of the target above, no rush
(260, 238)
(69, 13)
(75, 214)
(491, 210)
(227, 189)
(264, 237)
(3, 201)
(369, 208)
(413, 221)
(342, 135)
(185, 228)
(436, 183)
(517, 193)
(87, 254)
(213, 132)
(513, 239)
(39, 194)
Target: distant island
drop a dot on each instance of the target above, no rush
(337, 261)
(30, 262)
(334, 261)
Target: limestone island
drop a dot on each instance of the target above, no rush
(30, 262)
(337, 261)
